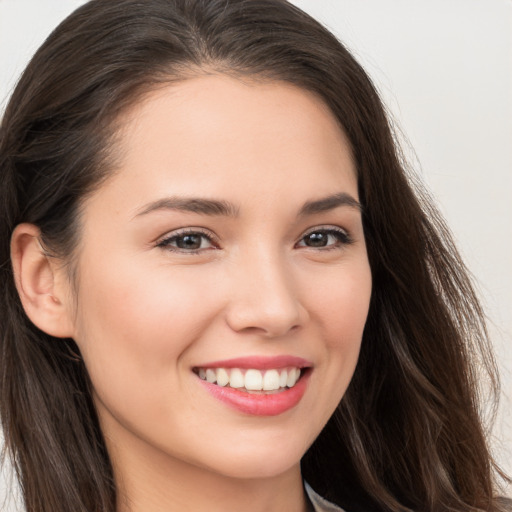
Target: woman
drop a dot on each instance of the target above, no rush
(218, 282)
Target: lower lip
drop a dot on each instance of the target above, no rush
(259, 404)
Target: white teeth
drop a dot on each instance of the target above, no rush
(236, 379)
(293, 376)
(271, 380)
(251, 379)
(222, 377)
(283, 378)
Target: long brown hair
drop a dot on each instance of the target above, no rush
(408, 433)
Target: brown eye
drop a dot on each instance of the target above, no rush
(189, 241)
(325, 238)
(316, 239)
(192, 241)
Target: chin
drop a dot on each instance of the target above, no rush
(259, 462)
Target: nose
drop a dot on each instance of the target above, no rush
(264, 297)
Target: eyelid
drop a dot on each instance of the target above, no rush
(329, 229)
(325, 227)
(163, 241)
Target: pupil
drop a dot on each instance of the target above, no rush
(317, 240)
(189, 242)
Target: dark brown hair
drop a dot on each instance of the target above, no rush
(407, 435)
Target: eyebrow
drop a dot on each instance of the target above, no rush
(329, 203)
(215, 207)
(193, 205)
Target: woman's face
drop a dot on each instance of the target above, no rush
(228, 246)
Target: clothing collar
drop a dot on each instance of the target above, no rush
(319, 504)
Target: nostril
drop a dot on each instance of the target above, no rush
(268, 330)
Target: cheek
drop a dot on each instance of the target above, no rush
(340, 302)
(340, 307)
(135, 332)
(138, 324)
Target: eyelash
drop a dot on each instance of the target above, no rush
(341, 236)
(166, 242)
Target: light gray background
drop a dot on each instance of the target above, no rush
(444, 69)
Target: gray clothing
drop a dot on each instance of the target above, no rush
(318, 503)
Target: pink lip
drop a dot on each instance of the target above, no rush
(260, 404)
(260, 362)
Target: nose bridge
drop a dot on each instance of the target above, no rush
(264, 294)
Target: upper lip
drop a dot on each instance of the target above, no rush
(260, 362)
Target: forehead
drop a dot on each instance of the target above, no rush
(224, 136)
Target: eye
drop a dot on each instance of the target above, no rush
(188, 241)
(325, 238)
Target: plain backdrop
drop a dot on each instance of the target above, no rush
(444, 69)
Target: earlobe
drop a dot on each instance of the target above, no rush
(43, 291)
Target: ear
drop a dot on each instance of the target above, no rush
(41, 282)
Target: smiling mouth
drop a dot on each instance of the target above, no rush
(252, 380)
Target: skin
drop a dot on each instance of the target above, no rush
(146, 314)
